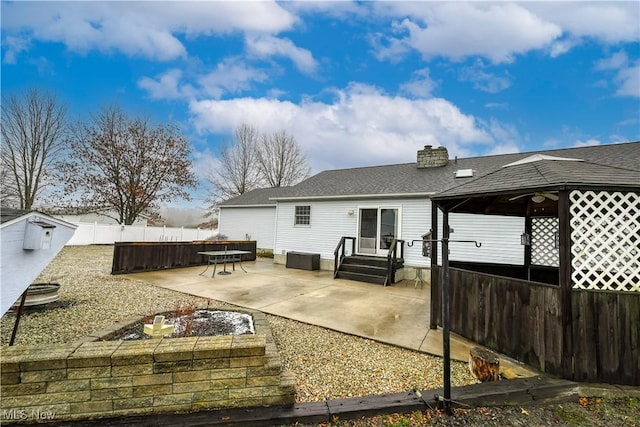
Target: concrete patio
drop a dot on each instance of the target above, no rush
(396, 315)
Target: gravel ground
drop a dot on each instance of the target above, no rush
(326, 364)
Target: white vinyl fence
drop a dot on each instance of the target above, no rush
(92, 233)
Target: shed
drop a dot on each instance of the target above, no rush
(30, 240)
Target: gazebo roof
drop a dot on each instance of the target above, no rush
(502, 191)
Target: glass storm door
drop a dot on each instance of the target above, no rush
(377, 229)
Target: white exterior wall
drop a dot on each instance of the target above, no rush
(250, 223)
(20, 267)
(499, 236)
(330, 220)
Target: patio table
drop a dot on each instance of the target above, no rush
(223, 257)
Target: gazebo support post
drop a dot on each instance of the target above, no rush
(564, 229)
(445, 315)
(435, 290)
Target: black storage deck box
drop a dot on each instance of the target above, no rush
(303, 261)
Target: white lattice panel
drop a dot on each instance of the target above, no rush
(544, 241)
(605, 242)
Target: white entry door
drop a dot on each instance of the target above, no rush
(377, 227)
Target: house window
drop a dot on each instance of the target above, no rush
(303, 215)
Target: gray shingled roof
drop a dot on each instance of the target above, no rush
(405, 179)
(257, 197)
(546, 175)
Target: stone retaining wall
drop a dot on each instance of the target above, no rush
(98, 379)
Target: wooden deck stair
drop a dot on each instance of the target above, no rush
(364, 268)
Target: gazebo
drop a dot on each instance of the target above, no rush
(572, 309)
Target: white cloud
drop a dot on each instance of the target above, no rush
(231, 76)
(146, 29)
(166, 86)
(362, 126)
(626, 74)
(484, 81)
(265, 46)
(498, 31)
(628, 80)
(421, 85)
(609, 22)
(586, 143)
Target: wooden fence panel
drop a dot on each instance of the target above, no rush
(606, 336)
(517, 318)
(133, 257)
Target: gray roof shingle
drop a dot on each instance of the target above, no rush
(405, 179)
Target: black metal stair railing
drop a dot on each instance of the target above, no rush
(392, 260)
(340, 253)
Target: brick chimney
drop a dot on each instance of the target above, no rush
(432, 157)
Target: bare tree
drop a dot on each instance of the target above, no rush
(33, 137)
(280, 160)
(237, 172)
(127, 165)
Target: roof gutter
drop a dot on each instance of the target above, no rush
(355, 196)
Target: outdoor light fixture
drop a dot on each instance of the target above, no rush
(538, 198)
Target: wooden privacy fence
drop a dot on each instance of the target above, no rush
(131, 257)
(523, 320)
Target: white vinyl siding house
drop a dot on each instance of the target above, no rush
(249, 223)
(330, 220)
(250, 216)
(368, 202)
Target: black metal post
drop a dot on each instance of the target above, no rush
(18, 315)
(445, 315)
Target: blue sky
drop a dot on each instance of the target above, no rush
(356, 83)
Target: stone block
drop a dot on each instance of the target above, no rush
(263, 381)
(237, 362)
(135, 402)
(181, 377)
(245, 393)
(45, 399)
(210, 396)
(132, 370)
(176, 349)
(9, 378)
(135, 354)
(112, 393)
(248, 345)
(115, 382)
(219, 363)
(152, 390)
(229, 373)
(193, 386)
(152, 379)
(40, 376)
(22, 389)
(94, 372)
(228, 383)
(90, 354)
(68, 385)
(177, 366)
(173, 399)
(213, 347)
